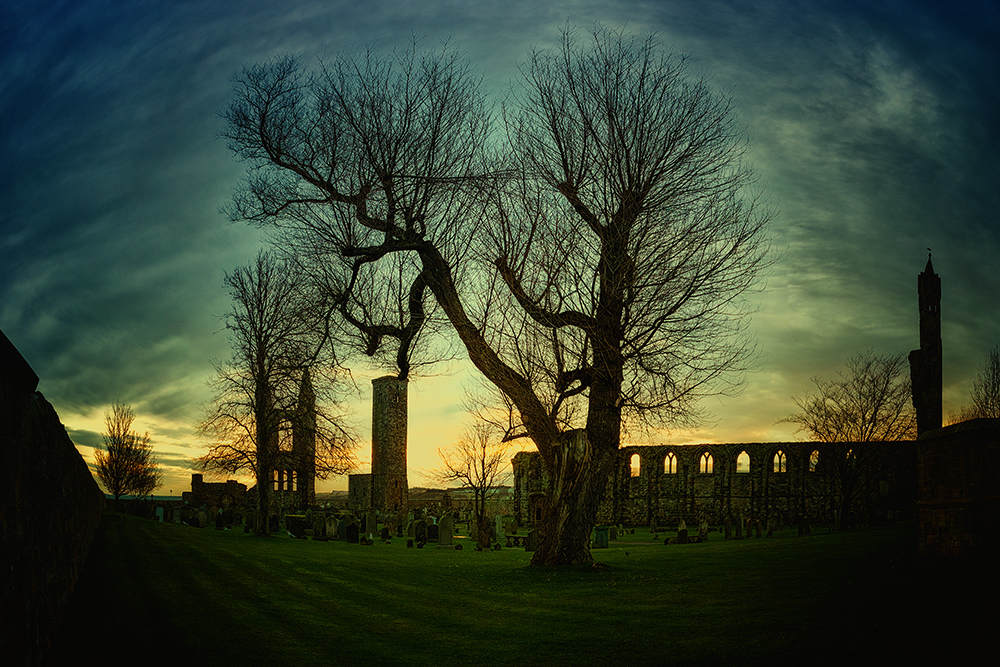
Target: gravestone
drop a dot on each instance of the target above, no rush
(682, 533)
(498, 531)
(703, 531)
(159, 514)
(371, 523)
(411, 528)
(432, 532)
(420, 531)
(601, 537)
(446, 531)
(386, 534)
(531, 541)
(352, 533)
(331, 527)
(613, 533)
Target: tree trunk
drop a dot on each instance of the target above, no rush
(576, 483)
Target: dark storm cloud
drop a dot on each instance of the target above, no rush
(874, 129)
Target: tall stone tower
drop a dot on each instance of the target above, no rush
(925, 363)
(390, 492)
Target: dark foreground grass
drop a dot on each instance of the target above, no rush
(166, 594)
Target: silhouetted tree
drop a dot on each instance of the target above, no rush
(595, 273)
(126, 465)
(869, 402)
(985, 390)
(477, 461)
(267, 388)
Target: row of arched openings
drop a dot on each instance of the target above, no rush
(706, 463)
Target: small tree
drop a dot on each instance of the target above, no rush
(126, 464)
(869, 402)
(477, 461)
(985, 390)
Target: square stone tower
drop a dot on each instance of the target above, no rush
(390, 492)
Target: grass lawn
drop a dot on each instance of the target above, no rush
(169, 594)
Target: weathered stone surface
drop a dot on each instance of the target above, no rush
(51, 506)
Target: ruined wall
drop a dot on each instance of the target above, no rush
(49, 515)
(691, 481)
(959, 490)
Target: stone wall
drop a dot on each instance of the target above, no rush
(49, 515)
(726, 482)
(959, 490)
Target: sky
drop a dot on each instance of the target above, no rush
(875, 128)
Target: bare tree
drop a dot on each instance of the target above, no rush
(266, 392)
(595, 273)
(126, 465)
(477, 461)
(867, 403)
(985, 390)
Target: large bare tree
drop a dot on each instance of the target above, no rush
(592, 258)
(869, 402)
(126, 464)
(267, 391)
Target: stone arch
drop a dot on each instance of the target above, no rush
(743, 462)
(670, 463)
(706, 464)
(634, 465)
(780, 461)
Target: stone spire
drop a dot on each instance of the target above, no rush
(925, 363)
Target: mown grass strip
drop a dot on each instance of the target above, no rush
(170, 593)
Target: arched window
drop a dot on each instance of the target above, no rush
(814, 460)
(291, 480)
(670, 464)
(276, 479)
(634, 465)
(743, 462)
(779, 461)
(706, 465)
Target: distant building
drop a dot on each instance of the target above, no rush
(215, 494)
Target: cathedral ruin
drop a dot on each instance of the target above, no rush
(804, 482)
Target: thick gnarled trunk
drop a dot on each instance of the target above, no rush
(576, 481)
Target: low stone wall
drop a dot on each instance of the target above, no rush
(50, 512)
(959, 490)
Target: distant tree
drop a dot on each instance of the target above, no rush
(985, 390)
(477, 461)
(126, 465)
(868, 402)
(268, 389)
